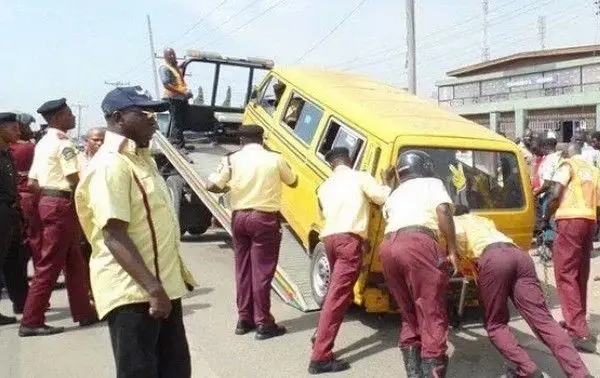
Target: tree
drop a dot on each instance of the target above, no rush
(199, 100)
(227, 102)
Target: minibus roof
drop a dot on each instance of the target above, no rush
(383, 110)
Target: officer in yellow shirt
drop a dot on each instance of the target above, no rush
(137, 273)
(573, 202)
(253, 178)
(55, 172)
(177, 94)
(344, 200)
(418, 215)
(506, 272)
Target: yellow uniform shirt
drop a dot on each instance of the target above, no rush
(109, 191)
(344, 199)
(475, 233)
(254, 177)
(55, 158)
(414, 203)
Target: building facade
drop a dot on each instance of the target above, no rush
(549, 90)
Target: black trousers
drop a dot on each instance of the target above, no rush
(179, 113)
(145, 347)
(13, 256)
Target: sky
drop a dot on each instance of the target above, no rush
(64, 48)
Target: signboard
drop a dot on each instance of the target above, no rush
(524, 82)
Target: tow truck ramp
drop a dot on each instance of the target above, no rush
(292, 278)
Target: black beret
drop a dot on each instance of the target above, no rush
(337, 153)
(52, 106)
(7, 117)
(251, 131)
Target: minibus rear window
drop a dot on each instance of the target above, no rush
(486, 180)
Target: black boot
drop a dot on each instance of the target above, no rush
(412, 361)
(434, 367)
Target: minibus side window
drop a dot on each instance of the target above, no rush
(302, 118)
(271, 94)
(339, 136)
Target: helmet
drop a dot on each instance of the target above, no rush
(414, 164)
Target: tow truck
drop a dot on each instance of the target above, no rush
(210, 135)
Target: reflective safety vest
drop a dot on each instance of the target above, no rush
(179, 83)
(579, 198)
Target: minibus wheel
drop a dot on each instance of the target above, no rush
(320, 273)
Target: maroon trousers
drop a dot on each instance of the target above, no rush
(507, 272)
(256, 239)
(571, 253)
(33, 227)
(60, 250)
(344, 255)
(413, 264)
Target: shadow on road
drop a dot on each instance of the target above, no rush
(209, 237)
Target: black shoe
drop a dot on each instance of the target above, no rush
(243, 327)
(330, 366)
(434, 367)
(585, 344)
(264, 331)
(412, 361)
(89, 321)
(43, 330)
(6, 320)
(18, 310)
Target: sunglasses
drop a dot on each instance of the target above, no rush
(147, 114)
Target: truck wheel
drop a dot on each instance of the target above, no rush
(175, 184)
(320, 273)
(199, 218)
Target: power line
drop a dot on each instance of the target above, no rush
(330, 33)
(226, 21)
(194, 26)
(275, 5)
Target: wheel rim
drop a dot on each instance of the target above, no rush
(321, 275)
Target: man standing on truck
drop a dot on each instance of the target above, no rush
(344, 203)
(137, 272)
(177, 94)
(253, 178)
(573, 202)
(419, 216)
(505, 271)
(55, 172)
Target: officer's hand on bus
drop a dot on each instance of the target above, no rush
(389, 177)
(160, 305)
(453, 260)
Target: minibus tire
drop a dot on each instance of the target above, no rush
(320, 273)
(175, 183)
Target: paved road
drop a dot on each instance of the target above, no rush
(367, 341)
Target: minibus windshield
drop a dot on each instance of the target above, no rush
(481, 180)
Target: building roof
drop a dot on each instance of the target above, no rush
(527, 59)
(381, 109)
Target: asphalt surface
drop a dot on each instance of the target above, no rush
(368, 341)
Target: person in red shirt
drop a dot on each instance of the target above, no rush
(22, 152)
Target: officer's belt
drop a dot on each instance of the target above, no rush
(497, 245)
(418, 229)
(56, 193)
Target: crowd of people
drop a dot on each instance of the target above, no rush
(104, 217)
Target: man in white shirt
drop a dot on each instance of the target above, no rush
(344, 200)
(415, 265)
(588, 153)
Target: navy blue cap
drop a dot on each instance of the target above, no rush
(52, 106)
(7, 117)
(129, 97)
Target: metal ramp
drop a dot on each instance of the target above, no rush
(292, 277)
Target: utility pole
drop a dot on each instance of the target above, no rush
(485, 48)
(117, 84)
(411, 59)
(152, 55)
(79, 107)
(542, 31)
